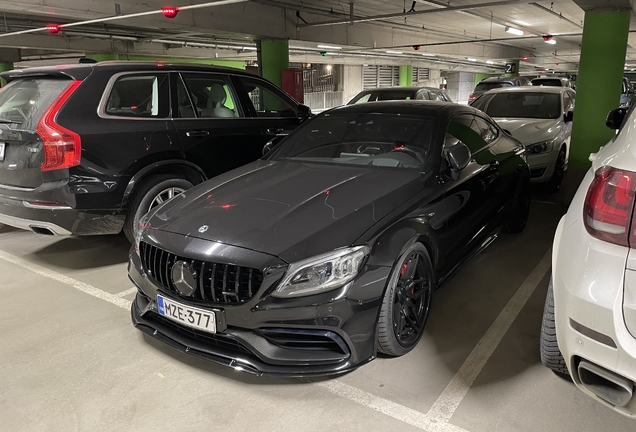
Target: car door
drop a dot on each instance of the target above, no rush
(272, 111)
(471, 199)
(216, 131)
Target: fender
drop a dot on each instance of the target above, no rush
(149, 168)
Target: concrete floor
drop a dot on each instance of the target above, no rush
(70, 359)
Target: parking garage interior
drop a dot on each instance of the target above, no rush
(71, 358)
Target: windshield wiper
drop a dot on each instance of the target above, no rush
(7, 121)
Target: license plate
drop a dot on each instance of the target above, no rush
(189, 316)
(1, 152)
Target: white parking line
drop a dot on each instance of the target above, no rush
(127, 292)
(445, 406)
(80, 286)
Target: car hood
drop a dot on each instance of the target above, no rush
(290, 210)
(530, 131)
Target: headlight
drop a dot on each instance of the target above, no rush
(321, 273)
(540, 147)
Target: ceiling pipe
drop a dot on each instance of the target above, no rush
(119, 17)
(414, 13)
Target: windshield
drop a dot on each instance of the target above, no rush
(23, 101)
(521, 105)
(484, 87)
(369, 139)
(385, 95)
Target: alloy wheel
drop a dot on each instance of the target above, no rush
(412, 300)
(165, 195)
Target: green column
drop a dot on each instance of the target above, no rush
(599, 82)
(516, 63)
(3, 68)
(274, 58)
(406, 76)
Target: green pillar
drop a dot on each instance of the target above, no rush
(599, 82)
(3, 68)
(516, 73)
(273, 58)
(406, 76)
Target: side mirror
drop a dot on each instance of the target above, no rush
(304, 112)
(615, 118)
(458, 157)
(568, 116)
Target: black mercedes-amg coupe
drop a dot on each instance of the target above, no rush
(328, 249)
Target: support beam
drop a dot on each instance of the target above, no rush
(599, 82)
(273, 58)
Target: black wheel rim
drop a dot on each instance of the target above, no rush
(412, 300)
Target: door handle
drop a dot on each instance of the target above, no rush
(195, 134)
(276, 131)
(494, 164)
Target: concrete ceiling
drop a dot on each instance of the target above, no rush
(453, 31)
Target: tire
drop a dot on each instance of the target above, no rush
(406, 297)
(520, 206)
(151, 191)
(551, 356)
(554, 184)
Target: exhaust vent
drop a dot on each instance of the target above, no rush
(606, 385)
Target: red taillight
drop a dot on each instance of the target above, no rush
(62, 147)
(472, 97)
(609, 205)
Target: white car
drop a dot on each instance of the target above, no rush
(539, 117)
(589, 320)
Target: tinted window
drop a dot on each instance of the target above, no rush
(25, 100)
(139, 96)
(550, 82)
(361, 99)
(488, 131)
(568, 101)
(206, 96)
(523, 105)
(484, 87)
(376, 140)
(465, 129)
(386, 95)
(265, 101)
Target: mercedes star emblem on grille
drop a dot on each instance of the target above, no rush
(203, 229)
(184, 278)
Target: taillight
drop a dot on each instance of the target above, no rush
(609, 206)
(62, 147)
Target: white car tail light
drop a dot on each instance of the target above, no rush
(609, 206)
(62, 147)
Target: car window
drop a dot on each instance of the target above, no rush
(202, 95)
(436, 95)
(484, 87)
(465, 129)
(550, 82)
(568, 102)
(265, 101)
(139, 95)
(363, 99)
(488, 131)
(364, 139)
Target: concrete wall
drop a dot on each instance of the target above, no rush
(352, 82)
(460, 85)
(434, 79)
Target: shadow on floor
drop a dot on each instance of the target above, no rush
(7, 228)
(86, 252)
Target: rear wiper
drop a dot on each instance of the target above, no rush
(7, 121)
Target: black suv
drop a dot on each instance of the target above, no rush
(90, 148)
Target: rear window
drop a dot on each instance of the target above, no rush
(24, 101)
(484, 87)
(386, 95)
(547, 82)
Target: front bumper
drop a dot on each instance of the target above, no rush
(62, 220)
(323, 334)
(542, 166)
(588, 282)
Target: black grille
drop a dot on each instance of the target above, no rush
(218, 283)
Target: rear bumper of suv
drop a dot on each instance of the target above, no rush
(588, 282)
(58, 220)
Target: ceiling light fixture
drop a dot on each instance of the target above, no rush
(490, 62)
(514, 31)
(471, 59)
(429, 55)
(394, 52)
(53, 28)
(551, 42)
(169, 11)
(330, 47)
